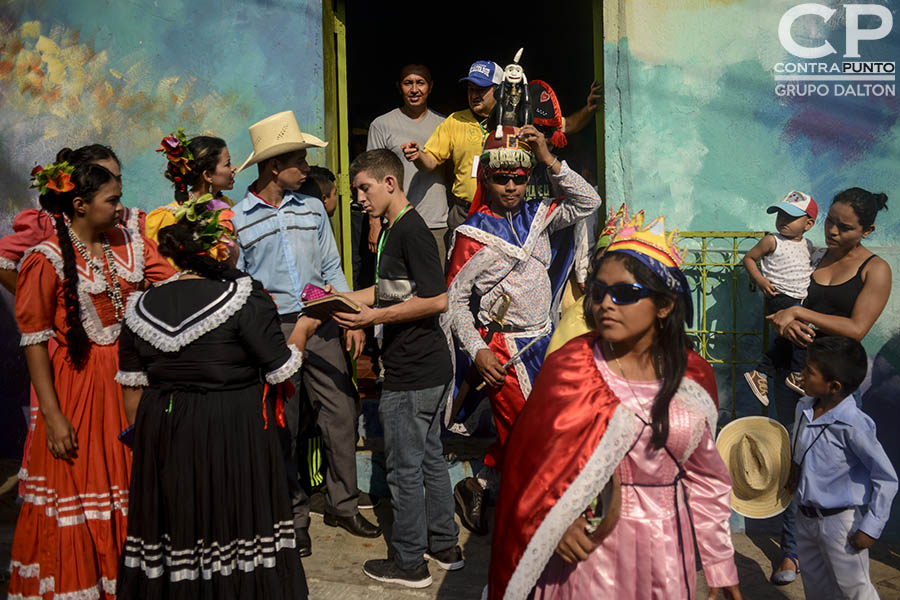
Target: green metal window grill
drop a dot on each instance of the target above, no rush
(729, 327)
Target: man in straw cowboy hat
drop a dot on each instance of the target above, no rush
(286, 243)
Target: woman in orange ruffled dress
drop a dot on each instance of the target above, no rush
(71, 287)
(34, 225)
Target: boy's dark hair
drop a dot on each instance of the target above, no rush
(379, 164)
(840, 359)
(317, 182)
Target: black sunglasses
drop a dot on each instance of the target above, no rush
(504, 178)
(621, 293)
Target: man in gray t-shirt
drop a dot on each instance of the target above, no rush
(413, 121)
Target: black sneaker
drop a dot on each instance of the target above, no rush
(387, 571)
(450, 559)
(469, 497)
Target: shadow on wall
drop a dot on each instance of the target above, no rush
(882, 402)
(13, 381)
(728, 319)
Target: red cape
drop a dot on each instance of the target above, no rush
(567, 441)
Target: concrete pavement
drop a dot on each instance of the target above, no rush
(334, 571)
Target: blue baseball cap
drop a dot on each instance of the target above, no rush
(484, 73)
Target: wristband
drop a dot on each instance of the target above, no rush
(555, 160)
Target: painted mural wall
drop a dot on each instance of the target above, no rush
(125, 74)
(706, 125)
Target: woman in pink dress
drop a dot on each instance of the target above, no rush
(614, 472)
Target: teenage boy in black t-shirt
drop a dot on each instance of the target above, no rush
(408, 295)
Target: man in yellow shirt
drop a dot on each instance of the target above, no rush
(459, 139)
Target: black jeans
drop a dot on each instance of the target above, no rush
(782, 353)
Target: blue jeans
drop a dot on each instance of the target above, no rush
(781, 353)
(414, 457)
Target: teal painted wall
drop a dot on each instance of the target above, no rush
(696, 130)
(125, 74)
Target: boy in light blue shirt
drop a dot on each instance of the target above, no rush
(838, 467)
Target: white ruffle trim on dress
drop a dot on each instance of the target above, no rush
(6, 263)
(151, 333)
(174, 277)
(89, 285)
(694, 398)
(37, 337)
(290, 366)
(587, 485)
(132, 378)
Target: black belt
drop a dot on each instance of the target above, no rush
(290, 317)
(816, 513)
(510, 329)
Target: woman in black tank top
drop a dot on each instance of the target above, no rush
(847, 292)
(850, 286)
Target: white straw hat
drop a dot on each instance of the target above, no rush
(757, 452)
(276, 135)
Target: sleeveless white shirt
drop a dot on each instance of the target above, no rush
(789, 266)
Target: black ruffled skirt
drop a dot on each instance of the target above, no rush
(209, 514)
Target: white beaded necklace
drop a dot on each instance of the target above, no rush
(113, 289)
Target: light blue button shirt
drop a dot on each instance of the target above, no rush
(846, 466)
(287, 247)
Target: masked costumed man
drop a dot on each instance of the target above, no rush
(627, 408)
(501, 287)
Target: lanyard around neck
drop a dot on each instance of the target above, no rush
(382, 240)
(808, 448)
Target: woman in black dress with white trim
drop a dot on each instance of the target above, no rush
(210, 516)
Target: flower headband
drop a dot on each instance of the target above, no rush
(214, 230)
(55, 176)
(175, 147)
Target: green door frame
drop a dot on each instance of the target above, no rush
(600, 119)
(337, 129)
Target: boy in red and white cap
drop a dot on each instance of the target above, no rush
(785, 266)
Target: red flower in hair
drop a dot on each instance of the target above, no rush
(61, 183)
(174, 146)
(55, 177)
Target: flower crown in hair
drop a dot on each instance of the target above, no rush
(55, 176)
(213, 228)
(652, 241)
(175, 147)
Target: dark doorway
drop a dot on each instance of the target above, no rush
(448, 37)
